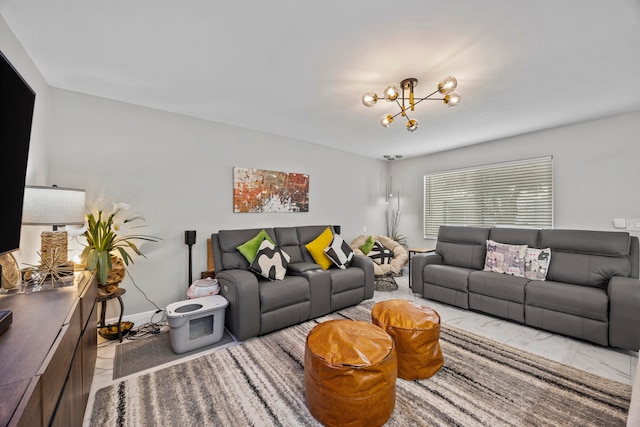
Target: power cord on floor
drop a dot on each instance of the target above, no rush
(143, 331)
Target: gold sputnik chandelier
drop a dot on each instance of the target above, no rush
(392, 93)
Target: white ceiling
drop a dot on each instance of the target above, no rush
(299, 68)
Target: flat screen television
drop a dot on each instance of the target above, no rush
(16, 113)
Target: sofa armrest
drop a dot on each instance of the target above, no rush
(240, 288)
(624, 306)
(319, 286)
(366, 264)
(418, 263)
(302, 267)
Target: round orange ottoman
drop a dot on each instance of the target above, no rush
(416, 332)
(350, 373)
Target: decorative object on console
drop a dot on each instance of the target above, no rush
(257, 190)
(108, 240)
(9, 272)
(55, 206)
(48, 268)
(392, 92)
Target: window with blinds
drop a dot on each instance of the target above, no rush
(516, 194)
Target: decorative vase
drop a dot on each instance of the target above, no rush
(114, 276)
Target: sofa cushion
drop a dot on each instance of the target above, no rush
(536, 263)
(251, 247)
(283, 293)
(317, 246)
(347, 279)
(462, 246)
(515, 236)
(500, 286)
(586, 270)
(339, 252)
(270, 261)
(588, 258)
(380, 254)
(607, 243)
(287, 239)
(504, 258)
(447, 276)
(582, 301)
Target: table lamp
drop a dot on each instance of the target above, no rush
(55, 206)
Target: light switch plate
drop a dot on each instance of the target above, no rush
(633, 224)
(619, 223)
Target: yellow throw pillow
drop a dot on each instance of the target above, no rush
(317, 246)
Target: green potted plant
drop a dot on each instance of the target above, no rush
(110, 241)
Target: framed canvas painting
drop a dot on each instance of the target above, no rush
(258, 190)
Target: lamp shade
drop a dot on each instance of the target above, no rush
(53, 206)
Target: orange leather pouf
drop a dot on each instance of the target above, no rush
(350, 373)
(416, 332)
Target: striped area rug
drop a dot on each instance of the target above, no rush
(261, 383)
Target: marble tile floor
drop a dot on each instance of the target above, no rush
(611, 363)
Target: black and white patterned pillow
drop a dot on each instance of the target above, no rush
(339, 252)
(270, 261)
(380, 254)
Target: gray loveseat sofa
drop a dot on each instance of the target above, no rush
(591, 291)
(258, 306)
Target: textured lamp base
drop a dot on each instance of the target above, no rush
(53, 247)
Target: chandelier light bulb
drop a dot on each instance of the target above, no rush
(369, 99)
(447, 85)
(412, 125)
(452, 99)
(391, 92)
(386, 120)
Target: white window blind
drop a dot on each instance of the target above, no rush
(518, 194)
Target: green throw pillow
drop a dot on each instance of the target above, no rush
(368, 245)
(250, 248)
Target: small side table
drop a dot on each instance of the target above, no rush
(416, 251)
(103, 298)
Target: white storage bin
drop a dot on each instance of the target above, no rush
(196, 323)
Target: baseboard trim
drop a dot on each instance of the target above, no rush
(141, 318)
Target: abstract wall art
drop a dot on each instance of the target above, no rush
(258, 190)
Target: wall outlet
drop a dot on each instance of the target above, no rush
(633, 224)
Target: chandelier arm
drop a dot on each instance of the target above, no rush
(429, 97)
(401, 109)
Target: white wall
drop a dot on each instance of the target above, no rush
(178, 171)
(15, 53)
(596, 173)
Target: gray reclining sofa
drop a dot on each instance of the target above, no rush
(591, 291)
(258, 306)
